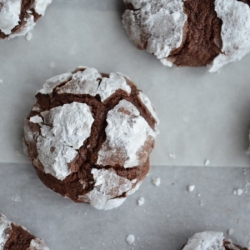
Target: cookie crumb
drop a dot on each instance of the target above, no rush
(28, 36)
(130, 239)
(156, 181)
(206, 162)
(141, 201)
(172, 156)
(238, 192)
(191, 188)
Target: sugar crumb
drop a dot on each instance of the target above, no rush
(191, 188)
(28, 36)
(172, 156)
(206, 162)
(238, 192)
(156, 181)
(130, 239)
(141, 201)
(230, 231)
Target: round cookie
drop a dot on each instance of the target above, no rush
(15, 237)
(89, 136)
(18, 17)
(190, 33)
(210, 240)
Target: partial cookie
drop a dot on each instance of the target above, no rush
(209, 241)
(89, 136)
(18, 17)
(190, 33)
(15, 237)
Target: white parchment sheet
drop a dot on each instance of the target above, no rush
(203, 116)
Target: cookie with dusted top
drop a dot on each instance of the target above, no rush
(89, 136)
(190, 33)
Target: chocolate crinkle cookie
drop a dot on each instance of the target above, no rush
(89, 136)
(190, 33)
(18, 17)
(211, 241)
(15, 237)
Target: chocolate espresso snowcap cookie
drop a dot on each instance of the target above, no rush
(89, 136)
(13, 236)
(190, 33)
(210, 240)
(18, 17)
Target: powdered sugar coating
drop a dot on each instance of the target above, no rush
(127, 134)
(109, 86)
(235, 32)
(53, 82)
(63, 131)
(9, 15)
(54, 153)
(26, 28)
(90, 82)
(145, 100)
(108, 185)
(156, 24)
(41, 6)
(206, 241)
(37, 244)
(82, 82)
(5, 226)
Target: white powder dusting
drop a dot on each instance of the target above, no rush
(172, 156)
(28, 26)
(205, 241)
(206, 162)
(191, 188)
(110, 85)
(41, 6)
(235, 32)
(133, 190)
(9, 15)
(83, 82)
(53, 82)
(158, 23)
(130, 239)
(63, 131)
(141, 201)
(238, 192)
(156, 181)
(36, 119)
(128, 136)
(108, 185)
(5, 225)
(87, 82)
(145, 100)
(230, 231)
(37, 244)
(28, 36)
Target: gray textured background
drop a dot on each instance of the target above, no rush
(170, 213)
(203, 116)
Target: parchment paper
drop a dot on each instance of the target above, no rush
(169, 216)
